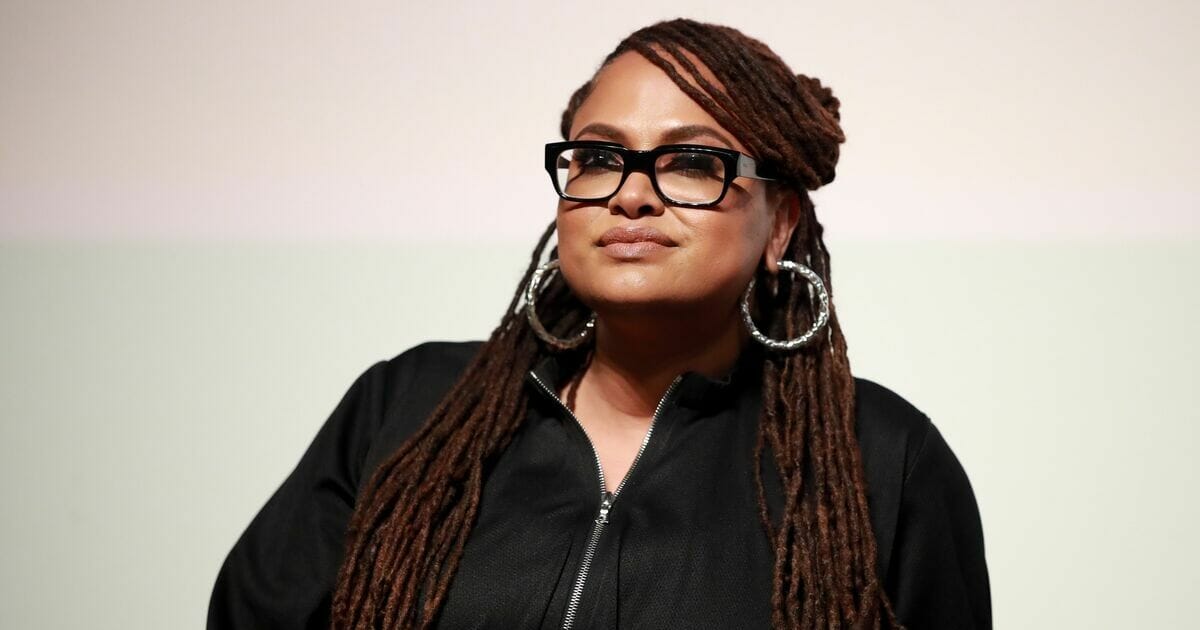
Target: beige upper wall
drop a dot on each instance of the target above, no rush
(353, 120)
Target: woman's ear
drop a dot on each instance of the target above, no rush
(783, 223)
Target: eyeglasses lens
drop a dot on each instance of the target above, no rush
(690, 177)
(589, 173)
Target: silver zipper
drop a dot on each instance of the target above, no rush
(606, 498)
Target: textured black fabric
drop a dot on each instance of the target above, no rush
(683, 547)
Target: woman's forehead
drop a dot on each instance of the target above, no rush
(635, 103)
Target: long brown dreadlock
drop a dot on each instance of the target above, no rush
(415, 513)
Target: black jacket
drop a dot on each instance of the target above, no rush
(682, 547)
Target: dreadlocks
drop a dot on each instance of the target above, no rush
(413, 518)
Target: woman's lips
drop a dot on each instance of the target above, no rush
(634, 234)
(629, 242)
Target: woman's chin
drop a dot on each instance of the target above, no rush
(637, 288)
(646, 298)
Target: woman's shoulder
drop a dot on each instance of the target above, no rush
(912, 474)
(896, 438)
(436, 359)
(903, 441)
(408, 387)
(423, 371)
(420, 375)
(438, 356)
(888, 425)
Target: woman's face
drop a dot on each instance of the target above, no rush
(709, 254)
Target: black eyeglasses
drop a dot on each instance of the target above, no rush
(689, 175)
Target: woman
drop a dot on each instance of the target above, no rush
(663, 431)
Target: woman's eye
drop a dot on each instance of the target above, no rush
(695, 165)
(596, 160)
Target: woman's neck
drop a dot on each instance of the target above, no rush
(634, 363)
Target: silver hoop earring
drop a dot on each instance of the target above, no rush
(531, 292)
(811, 333)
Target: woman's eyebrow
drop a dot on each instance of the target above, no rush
(688, 132)
(671, 136)
(603, 130)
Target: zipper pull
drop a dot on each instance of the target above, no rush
(605, 503)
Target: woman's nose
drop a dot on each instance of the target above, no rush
(636, 197)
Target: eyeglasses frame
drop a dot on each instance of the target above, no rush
(737, 164)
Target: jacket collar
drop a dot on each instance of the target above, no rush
(695, 390)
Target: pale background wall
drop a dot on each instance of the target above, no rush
(214, 215)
